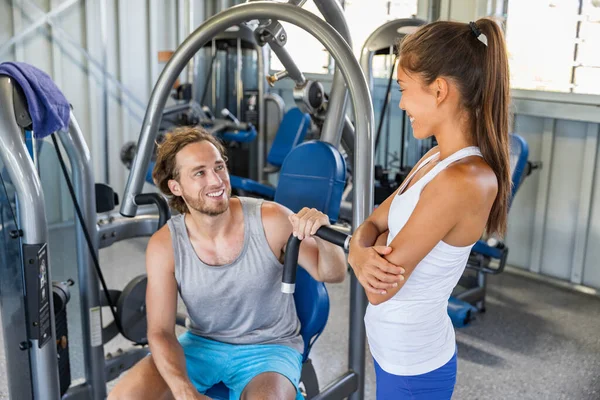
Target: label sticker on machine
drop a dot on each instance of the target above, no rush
(95, 327)
(38, 292)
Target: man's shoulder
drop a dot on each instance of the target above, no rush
(276, 223)
(272, 210)
(161, 239)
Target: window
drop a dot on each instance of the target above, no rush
(366, 16)
(557, 49)
(362, 17)
(306, 51)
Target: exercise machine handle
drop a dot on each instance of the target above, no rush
(292, 249)
(164, 213)
(209, 114)
(225, 113)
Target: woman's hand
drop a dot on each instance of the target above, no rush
(372, 270)
(307, 221)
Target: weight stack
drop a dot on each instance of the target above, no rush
(61, 296)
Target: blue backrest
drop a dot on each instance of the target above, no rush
(291, 133)
(519, 153)
(313, 175)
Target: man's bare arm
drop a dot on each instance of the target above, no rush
(324, 261)
(161, 306)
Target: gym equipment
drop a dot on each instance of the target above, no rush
(291, 133)
(230, 74)
(292, 249)
(228, 129)
(363, 113)
(34, 370)
(382, 42)
(28, 317)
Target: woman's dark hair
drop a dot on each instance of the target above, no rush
(457, 51)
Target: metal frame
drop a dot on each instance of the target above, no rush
(363, 113)
(336, 108)
(35, 376)
(42, 383)
(80, 159)
(383, 38)
(262, 62)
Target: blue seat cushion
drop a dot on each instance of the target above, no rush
(251, 186)
(313, 175)
(291, 133)
(239, 136)
(312, 307)
(481, 247)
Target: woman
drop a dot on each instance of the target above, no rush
(454, 81)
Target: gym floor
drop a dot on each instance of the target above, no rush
(535, 341)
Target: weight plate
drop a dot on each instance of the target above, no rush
(131, 310)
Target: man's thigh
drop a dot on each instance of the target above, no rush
(264, 371)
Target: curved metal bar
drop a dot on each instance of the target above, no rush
(383, 38)
(262, 130)
(332, 41)
(338, 96)
(363, 113)
(89, 291)
(41, 370)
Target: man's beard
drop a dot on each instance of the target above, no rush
(201, 205)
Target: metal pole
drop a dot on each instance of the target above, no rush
(84, 184)
(188, 31)
(338, 97)
(42, 372)
(104, 36)
(262, 129)
(239, 87)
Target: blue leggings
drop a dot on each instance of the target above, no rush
(434, 385)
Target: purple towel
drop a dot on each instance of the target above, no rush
(48, 107)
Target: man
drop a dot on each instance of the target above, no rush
(224, 256)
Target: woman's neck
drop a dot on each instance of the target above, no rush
(452, 137)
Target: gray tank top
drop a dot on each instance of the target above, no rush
(240, 302)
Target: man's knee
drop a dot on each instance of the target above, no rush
(269, 386)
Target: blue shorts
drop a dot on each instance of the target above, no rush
(435, 385)
(209, 362)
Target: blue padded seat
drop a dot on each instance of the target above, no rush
(239, 136)
(291, 133)
(313, 175)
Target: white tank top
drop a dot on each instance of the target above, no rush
(411, 333)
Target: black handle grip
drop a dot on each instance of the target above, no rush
(334, 236)
(290, 264)
(154, 198)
